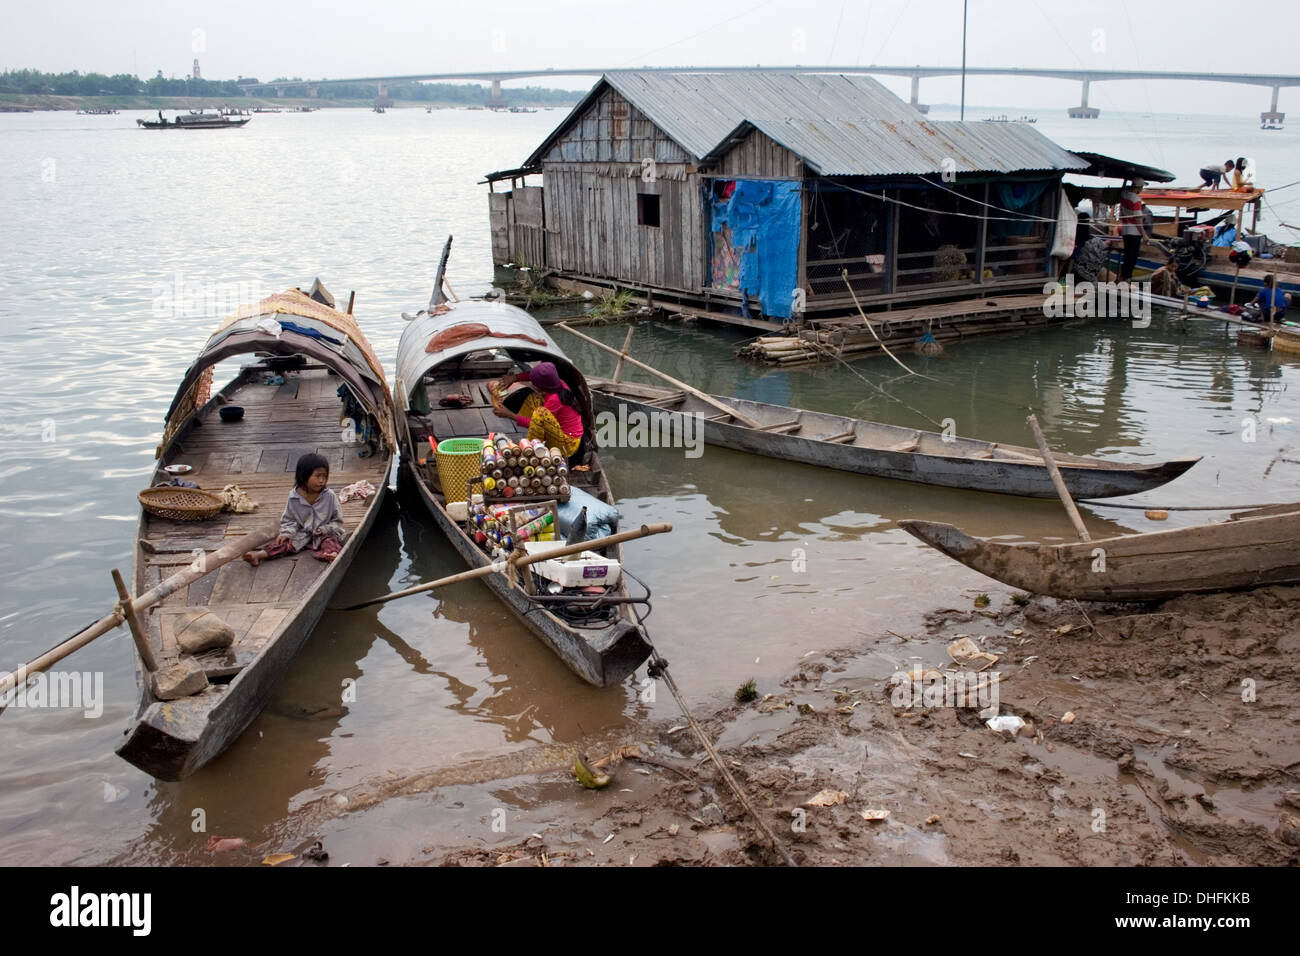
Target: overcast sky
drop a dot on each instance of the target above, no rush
(342, 38)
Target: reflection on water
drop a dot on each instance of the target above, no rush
(87, 368)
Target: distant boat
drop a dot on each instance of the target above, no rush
(97, 111)
(1271, 124)
(267, 109)
(193, 120)
(305, 109)
(521, 109)
(1006, 119)
(379, 109)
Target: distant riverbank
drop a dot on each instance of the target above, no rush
(10, 102)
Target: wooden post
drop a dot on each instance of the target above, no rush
(352, 298)
(137, 632)
(210, 562)
(1057, 480)
(982, 238)
(627, 343)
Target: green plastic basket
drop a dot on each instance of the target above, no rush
(459, 460)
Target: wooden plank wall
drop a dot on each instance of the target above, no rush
(499, 223)
(758, 156)
(593, 175)
(527, 227)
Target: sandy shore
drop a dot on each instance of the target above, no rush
(1182, 748)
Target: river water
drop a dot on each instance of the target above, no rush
(109, 230)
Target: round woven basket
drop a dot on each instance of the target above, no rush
(181, 504)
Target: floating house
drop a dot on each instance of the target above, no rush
(761, 198)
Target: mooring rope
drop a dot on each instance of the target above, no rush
(659, 668)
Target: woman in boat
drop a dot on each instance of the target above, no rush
(311, 520)
(550, 413)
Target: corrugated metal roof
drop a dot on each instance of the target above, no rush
(917, 146)
(840, 125)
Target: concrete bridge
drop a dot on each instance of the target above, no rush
(916, 73)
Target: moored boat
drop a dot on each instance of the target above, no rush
(311, 365)
(1252, 549)
(446, 359)
(879, 450)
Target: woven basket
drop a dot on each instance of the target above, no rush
(459, 459)
(181, 504)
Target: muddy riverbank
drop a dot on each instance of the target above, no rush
(1181, 748)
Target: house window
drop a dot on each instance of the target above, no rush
(647, 209)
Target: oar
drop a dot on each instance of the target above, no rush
(1057, 480)
(205, 565)
(744, 420)
(518, 562)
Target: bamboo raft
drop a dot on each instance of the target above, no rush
(900, 330)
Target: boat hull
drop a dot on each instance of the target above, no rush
(600, 657)
(1233, 555)
(172, 739)
(999, 476)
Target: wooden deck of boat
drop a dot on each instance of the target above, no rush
(259, 453)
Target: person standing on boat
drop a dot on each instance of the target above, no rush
(1212, 176)
(1132, 226)
(551, 412)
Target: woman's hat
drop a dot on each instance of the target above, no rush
(544, 377)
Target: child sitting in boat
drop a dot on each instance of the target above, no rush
(311, 519)
(551, 412)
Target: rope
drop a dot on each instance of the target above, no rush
(659, 668)
(938, 212)
(844, 273)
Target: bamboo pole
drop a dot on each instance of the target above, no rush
(517, 562)
(208, 563)
(1057, 480)
(709, 399)
(133, 622)
(627, 344)
(845, 274)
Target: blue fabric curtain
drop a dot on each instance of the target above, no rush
(1018, 198)
(764, 220)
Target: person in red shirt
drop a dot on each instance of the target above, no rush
(1132, 226)
(551, 413)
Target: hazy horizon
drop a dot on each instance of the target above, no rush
(403, 37)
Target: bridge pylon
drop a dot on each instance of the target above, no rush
(1083, 110)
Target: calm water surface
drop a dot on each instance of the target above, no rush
(101, 222)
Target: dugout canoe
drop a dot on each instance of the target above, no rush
(309, 359)
(879, 450)
(1251, 549)
(490, 340)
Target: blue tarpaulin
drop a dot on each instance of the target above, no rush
(763, 218)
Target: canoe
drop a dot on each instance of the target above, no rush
(1253, 549)
(291, 393)
(603, 652)
(872, 448)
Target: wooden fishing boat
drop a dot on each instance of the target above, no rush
(311, 366)
(485, 341)
(1252, 549)
(879, 450)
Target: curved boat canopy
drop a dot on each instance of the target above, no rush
(288, 323)
(454, 330)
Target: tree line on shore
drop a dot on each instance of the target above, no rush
(127, 84)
